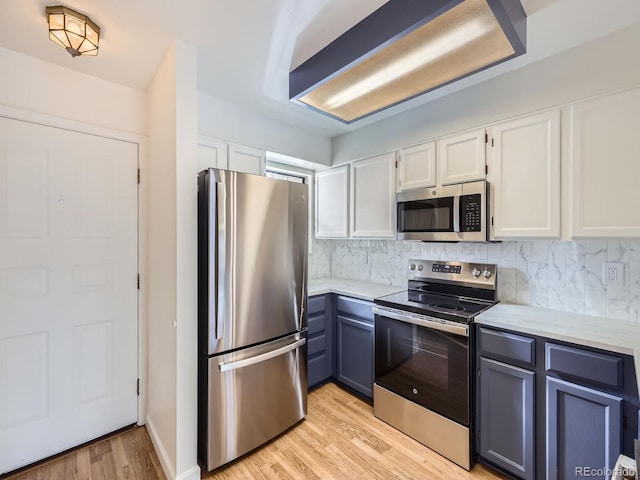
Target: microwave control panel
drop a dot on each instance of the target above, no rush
(471, 213)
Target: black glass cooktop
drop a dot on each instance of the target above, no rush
(448, 307)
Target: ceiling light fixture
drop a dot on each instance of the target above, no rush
(73, 31)
(407, 48)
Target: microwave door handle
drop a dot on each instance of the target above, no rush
(456, 213)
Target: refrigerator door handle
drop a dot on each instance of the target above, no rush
(220, 263)
(226, 367)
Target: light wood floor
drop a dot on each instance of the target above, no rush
(128, 455)
(339, 439)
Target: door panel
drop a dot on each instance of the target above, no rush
(262, 276)
(68, 289)
(251, 404)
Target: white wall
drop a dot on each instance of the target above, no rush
(32, 84)
(172, 278)
(187, 260)
(226, 121)
(597, 67)
(162, 252)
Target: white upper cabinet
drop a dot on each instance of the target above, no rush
(373, 197)
(417, 167)
(605, 166)
(525, 178)
(247, 159)
(461, 158)
(212, 153)
(332, 203)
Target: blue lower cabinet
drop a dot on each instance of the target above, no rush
(584, 436)
(319, 341)
(507, 428)
(354, 345)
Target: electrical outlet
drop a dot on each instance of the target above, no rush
(613, 274)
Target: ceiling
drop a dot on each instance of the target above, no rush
(247, 47)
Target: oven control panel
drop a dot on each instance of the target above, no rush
(446, 268)
(482, 275)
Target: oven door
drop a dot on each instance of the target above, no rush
(424, 361)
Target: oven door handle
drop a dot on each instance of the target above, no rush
(461, 330)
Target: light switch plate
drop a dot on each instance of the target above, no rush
(613, 274)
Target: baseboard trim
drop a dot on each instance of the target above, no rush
(165, 461)
(192, 474)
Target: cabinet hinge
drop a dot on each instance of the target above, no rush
(492, 221)
(396, 163)
(138, 281)
(624, 422)
(492, 141)
(486, 169)
(138, 176)
(138, 387)
(486, 138)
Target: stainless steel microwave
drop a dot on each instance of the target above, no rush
(452, 213)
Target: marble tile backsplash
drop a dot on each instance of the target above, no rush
(550, 274)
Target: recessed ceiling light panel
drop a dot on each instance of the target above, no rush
(451, 40)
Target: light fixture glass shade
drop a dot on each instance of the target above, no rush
(464, 39)
(75, 32)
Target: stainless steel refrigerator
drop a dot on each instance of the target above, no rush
(252, 320)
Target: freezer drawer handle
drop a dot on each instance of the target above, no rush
(226, 367)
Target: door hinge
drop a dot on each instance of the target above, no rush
(138, 281)
(138, 176)
(138, 387)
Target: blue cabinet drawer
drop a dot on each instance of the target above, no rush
(315, 345)
(507, 346)
(586, 365)
(316, 324)
(316, 304)
(354, 307)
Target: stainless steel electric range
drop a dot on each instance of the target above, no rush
(424, 354)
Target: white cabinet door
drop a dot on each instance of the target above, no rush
(68, 289)
(417, 167)
(461, 158)
(373, 197)
(332, 197)
(247, 159)
(212, 153)
(605, 166)
(526, 177)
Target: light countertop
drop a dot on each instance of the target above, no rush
(351, 288)
(620, 336)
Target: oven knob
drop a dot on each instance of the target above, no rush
(475, 272)
(420, 267)
(486, 273)
(412, 266)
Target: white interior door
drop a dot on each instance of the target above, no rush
(68, 289)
